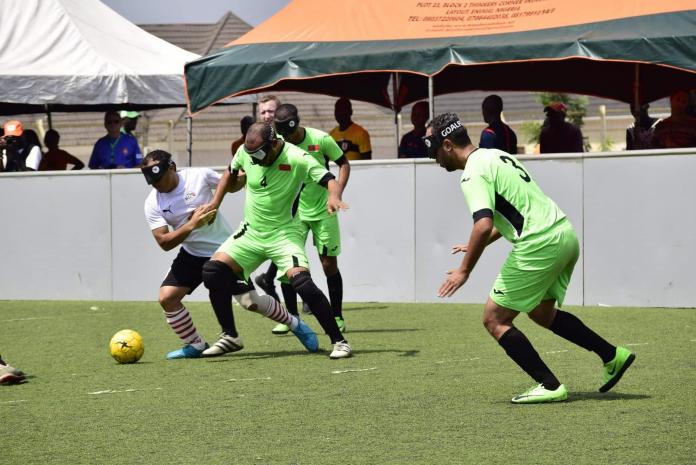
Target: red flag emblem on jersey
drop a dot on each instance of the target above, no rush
(284, 167)
(313, 148)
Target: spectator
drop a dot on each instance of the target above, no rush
(244, 124)
(56, 159)
(21, 150)
(267, 108)
(353, 139)
(116, 149)
(559, 136)
(412, 145)
(129, 121)
(679, 130)
(497, 135)
(639, 138)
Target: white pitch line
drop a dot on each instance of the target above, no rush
(458, 360)
(249, 379)
(27, 319)
(555, 351)
(337, 372)
(12, 401)
(637, 344)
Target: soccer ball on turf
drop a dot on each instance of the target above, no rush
(126, 346)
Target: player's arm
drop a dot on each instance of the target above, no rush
(167, 239)
(494, 236)
(230, 181)
(480, 234)
(334, 152)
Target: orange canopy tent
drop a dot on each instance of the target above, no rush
(396, 52)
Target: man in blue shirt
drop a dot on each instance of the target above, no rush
(497, 135)
(116, 149)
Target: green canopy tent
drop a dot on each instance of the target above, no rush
(392, 53)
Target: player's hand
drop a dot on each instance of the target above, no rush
(202, 216)
(207, 208)
(460, 248)
(334, 205)
(455, 280)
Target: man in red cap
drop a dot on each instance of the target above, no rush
(18, 153)
(559, 136)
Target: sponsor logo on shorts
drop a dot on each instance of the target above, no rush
(497, 292)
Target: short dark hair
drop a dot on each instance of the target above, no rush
(157, 155)
(244, 123)
(494, 102)
(285, 112)
(449, 126)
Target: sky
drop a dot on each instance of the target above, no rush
(194, 11)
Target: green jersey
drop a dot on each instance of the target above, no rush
(323, 148)
(496, 181)
(272, 191)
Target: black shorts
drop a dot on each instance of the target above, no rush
(186, 271)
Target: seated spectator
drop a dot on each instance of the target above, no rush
(412, 145)
(497, 135)
(679, 130)
(116, 149)
(640, 138)
(353, 139)
(129, 121)
(244, 124)
(56, 159)
(21, 150)
(559, 136)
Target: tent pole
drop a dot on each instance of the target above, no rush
(636, 89)
(395, 90)
(48, 116)
(431, 97)
(189, 139)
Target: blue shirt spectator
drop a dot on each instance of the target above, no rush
(116, 149)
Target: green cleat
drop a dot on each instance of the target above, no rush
(280, 328)
(341, 324)
(539, 394)
(614, 370)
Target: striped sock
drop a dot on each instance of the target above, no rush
(182, 324)
(271, 308)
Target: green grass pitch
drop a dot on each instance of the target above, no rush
(426, 385)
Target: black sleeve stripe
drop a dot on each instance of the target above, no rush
(341, 161)
(325, 180)
(483, 213)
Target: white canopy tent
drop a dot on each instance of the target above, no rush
(75, 55)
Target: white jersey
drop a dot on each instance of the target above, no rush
(174, 209)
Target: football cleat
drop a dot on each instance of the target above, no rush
(341, 350)
(614, 370)
(307, 337)
(225, 345)
(188, 351)
(539, 394)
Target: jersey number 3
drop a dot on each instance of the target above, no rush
(523, 173)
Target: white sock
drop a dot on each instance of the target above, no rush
(271, 308)
(181, 323)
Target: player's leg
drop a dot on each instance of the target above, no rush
(266, 281)
(288, 253)
(519, 288)
(615, 359)
(226, 272)
(183, 277)
(327, 239)
(10, 374)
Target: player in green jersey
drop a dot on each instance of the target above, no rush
(275, 173)
(312, 211)
(505, 201)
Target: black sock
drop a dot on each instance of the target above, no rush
(569, 327)
(317, 301)
(289, 297)
(518, 348)
(335, 283)
(218, 278)
(271, 274)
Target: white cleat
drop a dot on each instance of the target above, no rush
(341, 350)
(225, 345)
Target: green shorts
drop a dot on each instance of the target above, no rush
(283, 246)
(325, 234)
(540, 270)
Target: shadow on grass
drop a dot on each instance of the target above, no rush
(371, 307)
(607, 396)
(260, 355)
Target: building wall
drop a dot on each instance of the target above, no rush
(82, 235)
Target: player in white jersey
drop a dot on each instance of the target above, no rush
(178, 212)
